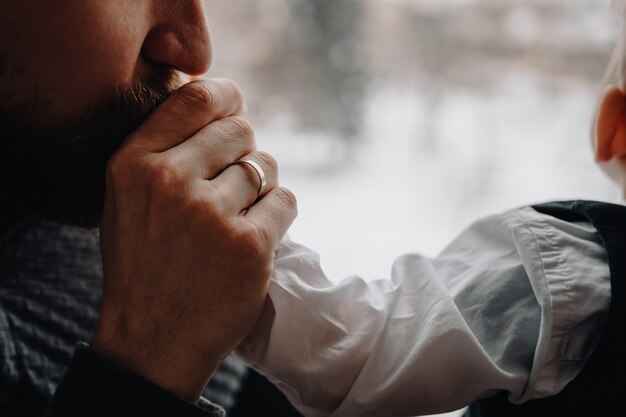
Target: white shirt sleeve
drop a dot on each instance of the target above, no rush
(517, 302)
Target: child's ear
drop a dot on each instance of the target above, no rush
(610, 131)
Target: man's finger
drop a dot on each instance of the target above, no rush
(187, 111)
(214, 148)
(242, 184)
(274, 214)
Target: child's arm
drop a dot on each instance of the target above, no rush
(491, 313)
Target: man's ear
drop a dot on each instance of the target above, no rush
(610, 131)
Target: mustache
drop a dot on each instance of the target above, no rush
(128, 106)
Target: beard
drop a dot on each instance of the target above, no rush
(59, 173)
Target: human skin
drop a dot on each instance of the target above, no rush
(610, 134)
(72, 51)
(187, 246)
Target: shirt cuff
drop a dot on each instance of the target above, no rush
(94, 386)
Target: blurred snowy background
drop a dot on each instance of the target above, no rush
(399, 122)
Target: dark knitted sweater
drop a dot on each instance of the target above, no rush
(50, 290)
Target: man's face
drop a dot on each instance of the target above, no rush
(76, 76)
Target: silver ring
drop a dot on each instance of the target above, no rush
(259, 171)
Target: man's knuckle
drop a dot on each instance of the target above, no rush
(267, 159)
(250, 241)
(213, 201)
(287, 197)
(240, 127)
(121, 172)
(117, 166)
(163, 174)
(195, 207)
(230, 84)
(198, 97)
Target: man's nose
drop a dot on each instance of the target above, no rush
(180, 39)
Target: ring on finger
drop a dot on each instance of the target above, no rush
(259, 171)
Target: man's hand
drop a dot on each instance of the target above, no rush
(187, 247)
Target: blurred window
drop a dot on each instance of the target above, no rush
(399, 122)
